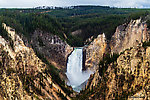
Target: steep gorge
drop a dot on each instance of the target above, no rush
(23, 74)
(129, 35)
(52, 47)
(126, 36)
(20, 64)
(128, 76)
(94, 52)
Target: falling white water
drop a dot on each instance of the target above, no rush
(74, 70)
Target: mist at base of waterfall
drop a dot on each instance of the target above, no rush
(80, 87)
(74, 72)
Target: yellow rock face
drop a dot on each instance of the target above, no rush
(130, 35)
(128, 77)
(95, 51)
(23, 75)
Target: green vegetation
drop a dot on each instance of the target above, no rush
(5, 35)
(99, 91)
(92, 20)
(61, 95)
(93, 24)
(148, 21)
(40, 42)
(9, 71)
(146, 44)
(54, 73)
(37, 97)
(107, 59)
(26, 24)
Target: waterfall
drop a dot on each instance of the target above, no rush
(74, 72)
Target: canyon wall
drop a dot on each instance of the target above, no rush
(128, 35)
(95, 51)
(51, 47)
(126, 78)
(23, 74)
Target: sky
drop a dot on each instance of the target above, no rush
(62, 3)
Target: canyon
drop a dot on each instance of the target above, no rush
(128, 76)
(52, 47)
(127, 35)
(25, 74)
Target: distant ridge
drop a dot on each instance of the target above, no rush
(72, 7)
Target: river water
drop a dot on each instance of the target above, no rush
(74, 72)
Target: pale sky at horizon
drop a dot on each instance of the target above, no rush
(62, 3)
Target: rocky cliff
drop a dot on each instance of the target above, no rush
(23, 75)
(51, 47)
(128, 35)
(126, 78)
(95, 51)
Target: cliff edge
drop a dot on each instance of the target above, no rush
(23, 74)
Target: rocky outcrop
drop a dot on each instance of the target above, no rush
(126, 78)
(129, 35)
(132, 73)
(10, 83)
(94, 79)
(77, 32)
(95, 51)
(51, 47)
(126, 36)
(23, 75)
